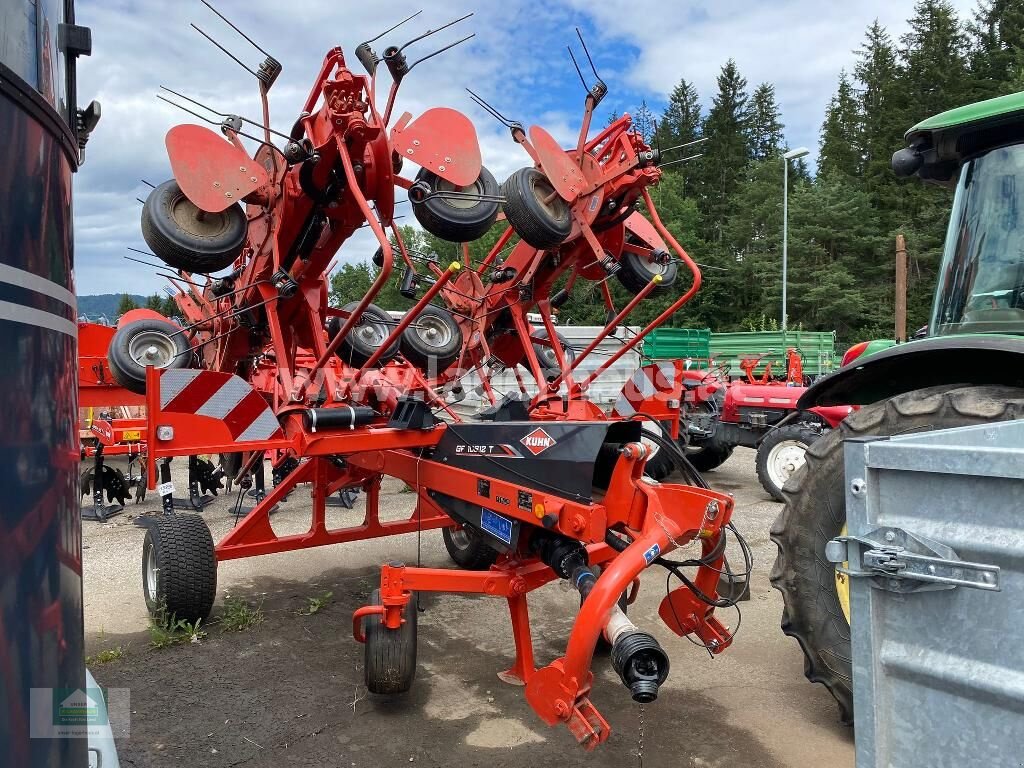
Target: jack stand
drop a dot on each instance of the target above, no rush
(196, 500)
(258, 494)
(346, 498)
(166, 491)
(98, 511)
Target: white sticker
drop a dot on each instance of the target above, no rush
(165, 488)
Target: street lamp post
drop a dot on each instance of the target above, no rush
(793, 154)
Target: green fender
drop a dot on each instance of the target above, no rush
(976, 359)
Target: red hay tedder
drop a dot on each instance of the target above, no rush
(536, 488)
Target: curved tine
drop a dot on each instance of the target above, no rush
(225, 19)
(430, 32)
(479, 101)
(439, 50)
(221, 114)
(386, 31)
(578, 70)
(586, 51)
(234, 58)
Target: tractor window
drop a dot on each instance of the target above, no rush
(981, 283)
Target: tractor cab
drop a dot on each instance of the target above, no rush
(979, 149)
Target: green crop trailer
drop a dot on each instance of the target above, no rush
(818, 348)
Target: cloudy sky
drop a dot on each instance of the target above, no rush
(517, 61)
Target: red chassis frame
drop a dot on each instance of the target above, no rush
(657, 518)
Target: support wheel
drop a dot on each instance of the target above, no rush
(373, 328)
(533, 209)
(390, 662)
(468, 548)
(780, 454)
(142, 343)
(187, 238)
(459, 217)
(179, 568)
(816, 598)
(433, 341)
(546, 353)
(635, 272)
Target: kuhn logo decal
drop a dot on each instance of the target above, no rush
(538, 441)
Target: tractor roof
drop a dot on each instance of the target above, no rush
(938, 146)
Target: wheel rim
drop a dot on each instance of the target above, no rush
(434, 331)
(191, 220)
(784, 459)
(154, 348)
(459, 537)
(371, 333)
(459, 201)
(545, 195)
(151, 575)
(843, 585)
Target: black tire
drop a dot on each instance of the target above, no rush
(433, 341)
(144, 342)
(540, 224)
(468, 548)
(546, 353)
(710, 455)
(815, 512)
(635, 272)
(366, 336)
(179, 568)
(173, 229)
(390, 654)
(457, 219)
(780, 454)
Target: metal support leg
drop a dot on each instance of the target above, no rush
(97, 510)
(257, 494)
(196, 500)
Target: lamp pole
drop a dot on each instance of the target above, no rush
(791, 155)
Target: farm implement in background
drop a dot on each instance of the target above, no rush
(539, 487)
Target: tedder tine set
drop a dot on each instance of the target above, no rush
(541, 485)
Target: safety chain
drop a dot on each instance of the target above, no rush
(640, 737)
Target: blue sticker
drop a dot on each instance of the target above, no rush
(652, 554)
(498, 526)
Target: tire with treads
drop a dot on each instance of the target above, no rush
(433, 341)
(179, 568)
(777, 456)
(183, 239)
(389, 662)
(539, 216)
(635, 272)
(468, 548)
(144, 342)
(359, 344)
(713, 452)
(454, 218)
(815, 513)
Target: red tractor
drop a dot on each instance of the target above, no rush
(758, 413)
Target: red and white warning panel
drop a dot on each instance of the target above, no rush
(193, 411)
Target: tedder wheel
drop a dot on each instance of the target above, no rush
(533, 209)
(468, 548)
(373, 328)
(457, 218)
(546, 353)
(145, 342)
(179, 568)
(389, 665)
(187, 238)
(780, 454)
(433, 341)
(815, 596)
(635, 272)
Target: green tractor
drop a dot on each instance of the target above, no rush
(969, 369)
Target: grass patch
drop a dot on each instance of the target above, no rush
(316, 603)
(164, 632)
(239, 615)
(107, 656)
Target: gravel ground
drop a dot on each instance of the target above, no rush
(288, 690)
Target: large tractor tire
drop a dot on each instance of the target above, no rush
(816, 597)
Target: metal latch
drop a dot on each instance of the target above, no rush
(899, 561)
